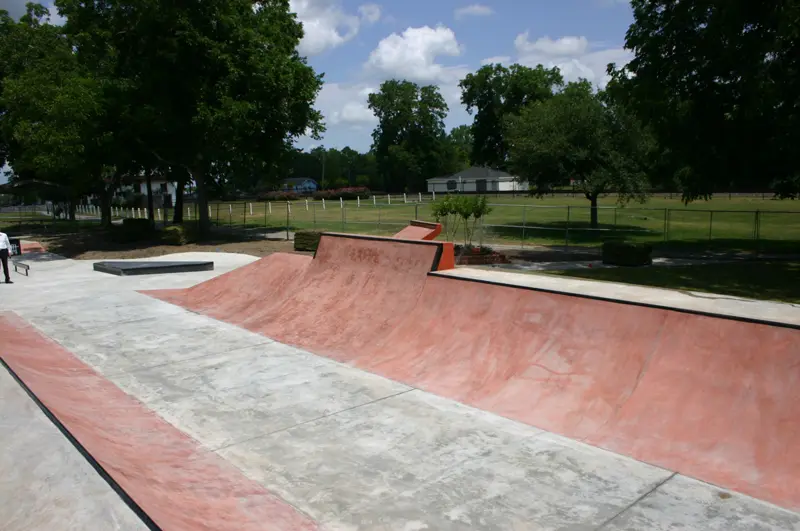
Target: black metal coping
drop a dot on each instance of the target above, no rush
(151, 268)
(729, 317)
(436, 259)
(102, 472)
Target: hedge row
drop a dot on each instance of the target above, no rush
(629, 254)
(306, 240)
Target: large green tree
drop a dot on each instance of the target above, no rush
(718, 82)
(219, 86)
(576, 135)
(493, 94)
(410, 142)
(461, 139)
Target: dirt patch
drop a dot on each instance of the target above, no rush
(94, 245)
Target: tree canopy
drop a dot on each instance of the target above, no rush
(576, 136)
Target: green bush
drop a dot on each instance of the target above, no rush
(629, 254)
(306, 240)
(180, 234)
(132, 230)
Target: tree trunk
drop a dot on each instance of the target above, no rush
(105, 207)
(71, 208)
(204, 224)
(593, 200)
(177, 216)
(150, 214)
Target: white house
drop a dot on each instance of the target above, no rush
(164, 192)
(477, 179)
(301, 185)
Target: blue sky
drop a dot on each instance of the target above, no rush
(358, 44)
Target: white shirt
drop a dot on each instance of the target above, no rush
(4, 243)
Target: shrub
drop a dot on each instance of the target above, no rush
(348, 194)
(455, 209)
(180, 234)
(629, 254)
(306, 240)
(279, 196)
(132, 230)
(322, 194)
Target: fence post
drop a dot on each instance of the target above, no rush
(251, 209)
(288, 213)
(314, 213)
(416, 211)
(405, 199)
(323, 203)
(420, 197)
(710, 223)
(306, 205)
(269, 206)
(358, 201)
(374, 203)
(566, 236)
(341, 204)
(230, 215)
(434, 195)
(389, 198)
(524, 208)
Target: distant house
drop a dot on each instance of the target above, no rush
(301, 185)
(164, 192)
(477, 179)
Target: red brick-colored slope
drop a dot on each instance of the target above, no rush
(354, 291)
(177, 483)
(715, 399)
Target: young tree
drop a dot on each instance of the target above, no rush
(495, 93)
(574, 135)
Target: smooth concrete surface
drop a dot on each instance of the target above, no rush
(694, 301)
(353, 450)
(712, 398)
(45, 483)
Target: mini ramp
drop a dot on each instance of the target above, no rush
(713, 398)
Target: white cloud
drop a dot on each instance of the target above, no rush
(576, 57)
(412, 55)
(370, 13)
(474, 10)
(327, 25)
(346, 104)
(501, 59)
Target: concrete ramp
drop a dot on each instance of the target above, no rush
(420, 230)
(713, 398)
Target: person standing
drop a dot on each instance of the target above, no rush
(5, 251)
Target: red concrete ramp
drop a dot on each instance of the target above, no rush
(354, 291)
(716, 399)
(420, 230)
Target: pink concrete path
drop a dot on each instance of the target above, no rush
(715, 399)
(176, 482)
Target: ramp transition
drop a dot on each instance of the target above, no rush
(712, 398)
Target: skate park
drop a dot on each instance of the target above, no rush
(375, 386)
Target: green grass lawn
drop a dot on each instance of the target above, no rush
(776, 280)
(722, 222)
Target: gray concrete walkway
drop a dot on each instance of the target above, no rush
(353, 450)
(694, 301)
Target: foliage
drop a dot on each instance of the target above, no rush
(219, 86)
(717, 81)
(461, 139)
(787, 188)
(306, 240)
(182, 234)
(495, 93)
(457, 210)
(621, 253)
(279, 196)
(409, 141)
(574, 135)
(348, 194)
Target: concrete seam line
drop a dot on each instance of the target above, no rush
(636, 501)
(244, 441)
(130, 502)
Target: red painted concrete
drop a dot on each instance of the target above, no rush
(420, 230)
(180, 485)
(32, 247)
(714, 399)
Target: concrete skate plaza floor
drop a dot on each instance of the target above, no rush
(314, 443)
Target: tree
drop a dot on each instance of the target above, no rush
(717, 81)
(495, 93)
(409, 141)
(575, 135)
(220, 88)
(57, 119)
(462, 140)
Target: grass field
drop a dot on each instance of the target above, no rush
(729, 223)
(772, 280)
